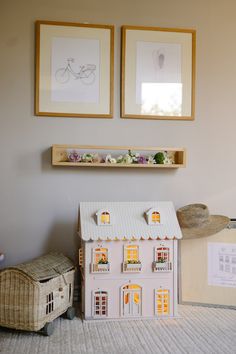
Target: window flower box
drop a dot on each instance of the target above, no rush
(132, 267)
(162, 266)
(101, 268)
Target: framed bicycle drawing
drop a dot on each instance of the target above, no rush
(158, 73)
(74, 70)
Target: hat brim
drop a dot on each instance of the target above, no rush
(216, 224)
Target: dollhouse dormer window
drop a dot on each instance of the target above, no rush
(103, 217)
(100, 260)
(131, 259)
(156, 217)
(162, 261)
(153, 217)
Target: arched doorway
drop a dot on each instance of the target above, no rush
(131, 300)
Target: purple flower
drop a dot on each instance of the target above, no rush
(74, 156)
(142, 159)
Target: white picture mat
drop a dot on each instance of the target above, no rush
(193, 285)
(47, 33)
(159, 78)
(222, 264)
(159, 38)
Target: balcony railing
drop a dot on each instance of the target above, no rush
(131, 267)
(162, 266)
(100, 268)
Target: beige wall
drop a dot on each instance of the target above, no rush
(39, 204)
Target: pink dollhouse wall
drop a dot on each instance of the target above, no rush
(113, 281)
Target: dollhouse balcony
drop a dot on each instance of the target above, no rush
(100, 268)
(162, 266)
(131, 267)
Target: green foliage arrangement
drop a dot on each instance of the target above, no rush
(159, 157)
(133, 262)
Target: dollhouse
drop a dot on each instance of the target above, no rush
(128, 259)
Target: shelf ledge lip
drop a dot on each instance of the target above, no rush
(65, 163)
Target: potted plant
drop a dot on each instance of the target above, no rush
(103, 264)
(160, 264)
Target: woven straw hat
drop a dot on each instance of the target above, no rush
(195, 221)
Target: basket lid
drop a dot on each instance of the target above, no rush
(46, 267)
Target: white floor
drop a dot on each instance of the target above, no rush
(198, 330)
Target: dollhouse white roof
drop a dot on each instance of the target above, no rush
(129, 221)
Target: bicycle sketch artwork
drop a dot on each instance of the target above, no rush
(86, 73)
(74, 69)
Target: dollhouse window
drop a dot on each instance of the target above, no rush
(105, 217)
(155, 217)
(131, 259)
(131, 295)
(100, 255)
(49, 303)
(162, 261)
(162, 254)
(70, 291)
(162, 302)
(131, 253)
(100, 308)
(100, 260)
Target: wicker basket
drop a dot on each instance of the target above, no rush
(35, 293)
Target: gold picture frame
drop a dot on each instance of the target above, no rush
(158, 73)
(74, 70)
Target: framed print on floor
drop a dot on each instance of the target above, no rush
(207, 273)
(74, 70)
(158, 73)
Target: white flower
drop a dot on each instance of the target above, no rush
(169, 157)
(128, 159)
(120, 159)
(151, 160)
(108, 159)
(167, 161)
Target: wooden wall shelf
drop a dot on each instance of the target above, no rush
(60, 156)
